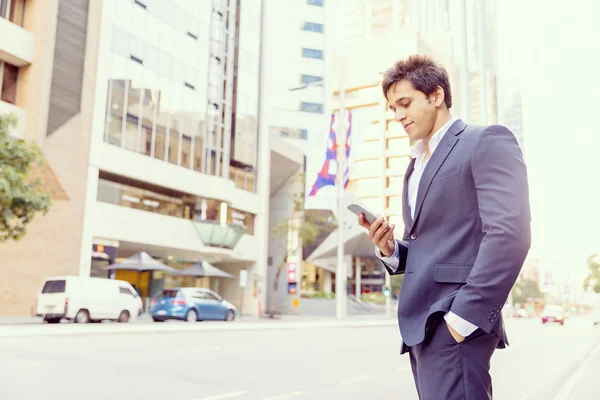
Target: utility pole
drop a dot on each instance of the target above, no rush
(340, 275)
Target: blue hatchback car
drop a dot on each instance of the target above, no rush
(191, 304)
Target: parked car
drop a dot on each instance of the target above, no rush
(553, 314)
(520, 313)
(191, 304)
(84, 299)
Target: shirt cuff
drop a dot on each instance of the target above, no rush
(392, 261)
(462, 326)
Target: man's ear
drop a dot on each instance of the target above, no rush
(438, 96)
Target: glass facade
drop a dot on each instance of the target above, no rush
(113, 189)
(140, 199)
(183, 84)
(244, 132)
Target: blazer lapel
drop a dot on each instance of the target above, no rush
(405, 207)
(435, 162)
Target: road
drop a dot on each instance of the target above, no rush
(308, 363)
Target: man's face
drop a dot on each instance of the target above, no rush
(413, 109)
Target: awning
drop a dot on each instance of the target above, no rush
(142, 262)
(356, 239)
(204, 268)
(358, 245)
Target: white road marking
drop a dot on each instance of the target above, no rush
(225, 395)
(286, 395)
(357, 379)
(568, 388)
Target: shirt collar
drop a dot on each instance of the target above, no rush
(418, 149)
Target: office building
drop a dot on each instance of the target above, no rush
(147, 114)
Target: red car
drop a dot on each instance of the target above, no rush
(553, 314)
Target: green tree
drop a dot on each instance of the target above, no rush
(526, 290)
(20, 197)
(308, 227)
(593, 279)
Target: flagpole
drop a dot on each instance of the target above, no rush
(340, 276)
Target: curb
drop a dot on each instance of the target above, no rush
(70, 330)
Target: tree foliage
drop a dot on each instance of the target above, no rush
(525, 290)
(20, 198)
(593, 279)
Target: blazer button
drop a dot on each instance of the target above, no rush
(413, 236)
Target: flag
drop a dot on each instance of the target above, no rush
(325, 177)
(348, 137)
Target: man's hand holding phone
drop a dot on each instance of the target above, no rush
(381, 234)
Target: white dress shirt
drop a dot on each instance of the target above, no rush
(419, 153)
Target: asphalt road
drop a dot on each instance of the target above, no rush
(544, 362)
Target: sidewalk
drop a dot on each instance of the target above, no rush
(145, 318)
(34, 327)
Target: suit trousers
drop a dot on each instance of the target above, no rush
(446, 370)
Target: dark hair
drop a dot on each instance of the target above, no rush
(424, 74)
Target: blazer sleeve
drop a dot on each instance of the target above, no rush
(500, 179)
(396, 263)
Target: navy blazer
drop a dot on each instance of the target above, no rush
(471, 233)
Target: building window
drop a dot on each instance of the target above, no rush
(13, 10)
(310, 78)
(241, 218)
(311, 107)
(136, 120)
(312, 53)
(313, 27)
(141, 199)
(130, 193)
(293, 133)
(3, 8)
(8, 86)
(318, 3)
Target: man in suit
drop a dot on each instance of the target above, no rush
(466, 235)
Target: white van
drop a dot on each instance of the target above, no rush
(82, 300)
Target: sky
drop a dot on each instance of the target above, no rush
(552, 48)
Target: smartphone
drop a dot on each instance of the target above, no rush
(357, 209)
